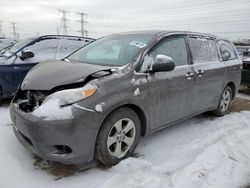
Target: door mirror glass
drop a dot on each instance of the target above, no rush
(163, 63)
(26, 54)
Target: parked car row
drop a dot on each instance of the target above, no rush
(96, 103)
(17, 59)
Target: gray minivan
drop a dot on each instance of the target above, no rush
(99, 101)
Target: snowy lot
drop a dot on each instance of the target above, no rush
(204, 151)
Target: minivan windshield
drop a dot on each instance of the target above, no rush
(117, 50)
(20, 44)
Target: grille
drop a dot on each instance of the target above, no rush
(30, 100)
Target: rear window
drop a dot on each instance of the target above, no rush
(203, 50)
(227, 50)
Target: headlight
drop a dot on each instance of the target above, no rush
(71, 96)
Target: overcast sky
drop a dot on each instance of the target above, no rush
(230, 18)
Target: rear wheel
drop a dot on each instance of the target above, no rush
(225, 101)
(118, 136)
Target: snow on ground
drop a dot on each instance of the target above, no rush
(204, 151)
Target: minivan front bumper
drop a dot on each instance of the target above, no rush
(68, 141)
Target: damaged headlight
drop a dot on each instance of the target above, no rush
(70, 96)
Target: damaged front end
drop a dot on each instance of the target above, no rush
(30, 100)
(48, 123)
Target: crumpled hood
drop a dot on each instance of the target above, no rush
(50, 74)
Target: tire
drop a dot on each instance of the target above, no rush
(121, 129)
(224, 103)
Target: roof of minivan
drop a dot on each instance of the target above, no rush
(163, 32)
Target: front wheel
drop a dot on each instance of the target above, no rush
(225, 101)
(118, 137)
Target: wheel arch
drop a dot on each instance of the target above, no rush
(137, 110)
(232, 86)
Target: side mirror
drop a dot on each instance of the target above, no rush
(26, 54)
(163, 63)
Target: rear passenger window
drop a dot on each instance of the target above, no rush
(227, 50)
(174, 48)
(203, 50)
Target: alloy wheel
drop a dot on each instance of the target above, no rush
(121, 137)
(225, 100)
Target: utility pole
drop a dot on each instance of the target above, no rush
(86, 33)
(82, 21)
(1, 30)
(15, 34)
(64, 21)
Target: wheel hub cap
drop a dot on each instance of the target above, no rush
(121, 137)
(225, 100)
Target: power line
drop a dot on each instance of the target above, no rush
(64, 21)
(82, 21)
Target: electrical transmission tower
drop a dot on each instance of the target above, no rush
(64, 21)
(82, 21)
(1, 30)
(14, 28)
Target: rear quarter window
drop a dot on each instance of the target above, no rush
(227, 50)
(203, 50)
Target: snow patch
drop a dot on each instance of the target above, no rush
(51, 110)
(161, 57)
(99, 107)
(138, 44)
(137, 92)
(137, 82)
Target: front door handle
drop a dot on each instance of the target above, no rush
(200, 73)
(189, 75)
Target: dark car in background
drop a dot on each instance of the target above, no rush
(245, 75)
(17, 59)
(99, 101)
(244, 53)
